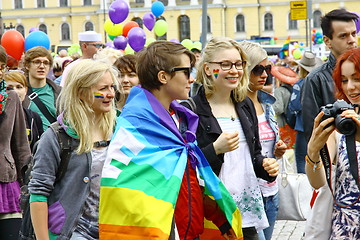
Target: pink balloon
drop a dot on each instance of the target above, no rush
(149, 20)
(118, 11)
(137, 38)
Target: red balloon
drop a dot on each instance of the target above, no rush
(13, 42)
(128, 26)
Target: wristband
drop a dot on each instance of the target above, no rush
(316, 165)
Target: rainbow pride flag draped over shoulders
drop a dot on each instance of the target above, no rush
(144, 168)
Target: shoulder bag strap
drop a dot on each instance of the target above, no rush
(33, 96)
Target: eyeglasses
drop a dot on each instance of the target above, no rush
(259, 69)
(3, 68)
(37, 63)
(97, 45)
(227, 65)
(187, 70)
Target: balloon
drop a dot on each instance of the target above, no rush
(197, 45)
(118, 11)
(37, 38)
(137, 38)
(157, 8)
(74, 48)
(314, 30)
(357, 23)
(128, 26)
(110, 44)
(149, 20)
(297, 53)
(129, 50)
(272, 41)
(111, 37)
(160, 28)
(149, 40)
(13, 42)
(174, 40)
(120, 42)
(33, 29)
(113, 29)
(187, 43)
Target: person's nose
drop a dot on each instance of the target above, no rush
(191, 79)
(352, 39)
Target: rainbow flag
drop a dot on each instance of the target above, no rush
(144, 168)
(284, 51)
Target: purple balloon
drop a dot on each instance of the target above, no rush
(110, 44)
(33, 29)
(174, 40)
(149, 20)
(120, 42)
(137, 38)
(357, 23)
(118, 11)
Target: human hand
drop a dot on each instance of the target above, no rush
(356, 118)
(280, 149)
(230, 235)
(271, 166)
(226, 142)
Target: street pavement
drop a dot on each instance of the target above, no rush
(288, 230)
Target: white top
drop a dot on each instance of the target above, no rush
(267, 140)
(238, 175)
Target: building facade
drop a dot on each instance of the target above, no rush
(237, 19)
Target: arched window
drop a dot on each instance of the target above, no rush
(208, 24)
(20, 28)
(65, 31)
(268, 22)
(139, 21)
(42, 27)
(63, 3)
(292, 23)
(40, 3)
(184, 27)
(240, 23)
(89, 26)
(87, 2)
(316, 18)
(18, 4)
(163, 37)
(165, 2)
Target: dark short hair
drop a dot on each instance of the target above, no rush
(126, 63)
(36, 52)
(335, 15)
(159, 56)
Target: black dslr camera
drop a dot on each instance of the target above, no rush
(344, 125)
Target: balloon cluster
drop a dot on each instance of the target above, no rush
(317, 37)
(15, 44)
(189, 44)
(131, 33)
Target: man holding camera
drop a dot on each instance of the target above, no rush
(339, 31)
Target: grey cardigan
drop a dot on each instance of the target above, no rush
(65, 198)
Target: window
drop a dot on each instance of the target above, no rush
(65, 31)
(316, 18)
(87, 2)
(292, 23)
(139, 21)
(184, 27)
(165, 2)
(240, 23)
(43, 28)
(63, 3)
(163, 37)
(89, 26)
(268, 22)
(139, 1)
(40, 3)
(21, 29)
(208, 24)
(18, 4)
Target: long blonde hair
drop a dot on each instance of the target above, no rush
(78, 113)
(208, 54)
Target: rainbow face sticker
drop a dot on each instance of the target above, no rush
(216, 72)
(98, 95)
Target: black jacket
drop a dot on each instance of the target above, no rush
(33, 125)
(209, 130)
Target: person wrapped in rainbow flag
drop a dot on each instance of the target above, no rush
(150, 187)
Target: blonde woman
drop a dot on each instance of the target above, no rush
(69, 207)
(228, 131)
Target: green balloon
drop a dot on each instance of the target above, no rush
(111, 37)
(160, 28)
(129, 50)
(149, 40)
(187, 43)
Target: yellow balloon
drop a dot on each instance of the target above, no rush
(187, 43)
(129, 50)
(113, 29)
(160, 27)
(297, 54)
(149, 40)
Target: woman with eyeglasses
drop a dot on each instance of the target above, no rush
(228, 131)
(259, 69)
(15, 155)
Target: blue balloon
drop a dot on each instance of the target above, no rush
(157, 8)
(37, 38)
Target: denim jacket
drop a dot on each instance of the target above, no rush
(267, 100)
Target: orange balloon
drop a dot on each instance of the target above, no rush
(13, 42)
(128, 26)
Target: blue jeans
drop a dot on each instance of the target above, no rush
(271, 205)
(300, 151)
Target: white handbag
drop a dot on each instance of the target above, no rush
(295, 193)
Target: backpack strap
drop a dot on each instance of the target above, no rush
(34, 97)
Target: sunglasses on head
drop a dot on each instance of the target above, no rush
(259, 69)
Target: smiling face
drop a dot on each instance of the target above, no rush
(128, 80)
(225, 79)
(104, 93)
(350, 82)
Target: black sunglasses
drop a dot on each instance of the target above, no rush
(97, 45)
(259, 69)
(187, 70)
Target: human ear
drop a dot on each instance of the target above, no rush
(162, 76)
(327, 41)
(207, 70)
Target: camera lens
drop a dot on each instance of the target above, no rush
(345, 126)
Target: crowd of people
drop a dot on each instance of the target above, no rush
(162, 139)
